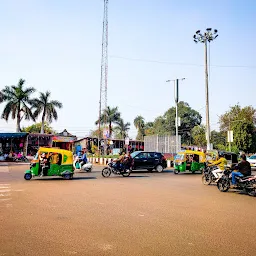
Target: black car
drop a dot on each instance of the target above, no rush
(148, 160)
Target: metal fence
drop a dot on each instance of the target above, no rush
(163, 144)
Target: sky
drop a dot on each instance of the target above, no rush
(56, 46)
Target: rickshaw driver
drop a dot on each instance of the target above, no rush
(220, 164)
(44, 163)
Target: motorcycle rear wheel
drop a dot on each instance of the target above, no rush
(252, 192)
(223, 185)
(206, 179)
(106, 172)
(127, 173)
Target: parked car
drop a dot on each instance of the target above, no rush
(149, 161)
(252, 160)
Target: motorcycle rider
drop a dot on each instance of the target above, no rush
(243, 169)
(118, 162)
(220, 164)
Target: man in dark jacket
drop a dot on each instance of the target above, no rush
(243, 169)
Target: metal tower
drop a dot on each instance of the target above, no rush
(104, 67)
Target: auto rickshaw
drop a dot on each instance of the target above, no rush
(213, 155)
(60, 163)
(189, 160)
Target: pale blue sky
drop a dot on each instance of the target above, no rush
(56, 45)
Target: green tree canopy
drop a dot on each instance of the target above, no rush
(109, 116)
(121, 129)
(18, 103)
(36, 128)
(198, 136)
(242, 122)
(43, 105)
(139, 123)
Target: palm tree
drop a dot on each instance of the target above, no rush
(139, 123)
(122, 128)
(46, 107)
(18, 102)
(109, 116)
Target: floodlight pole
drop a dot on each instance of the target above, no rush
(205, 37)
(207, 99)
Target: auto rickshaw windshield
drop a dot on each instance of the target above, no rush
(179, 157)
(36, 156)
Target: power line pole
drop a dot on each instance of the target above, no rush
(176, 98)
(104, 73)
(208, 36)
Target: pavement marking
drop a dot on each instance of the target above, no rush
(2, 194)
(4, 190)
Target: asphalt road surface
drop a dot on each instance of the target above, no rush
(145, 214)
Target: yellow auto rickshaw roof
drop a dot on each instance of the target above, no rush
(56, 150)
(192, 152)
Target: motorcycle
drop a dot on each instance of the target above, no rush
(208, 177)
(86, 167)
(106, 172)
(246, 184)
(20, 159)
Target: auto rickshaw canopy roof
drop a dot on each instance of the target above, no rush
(67, 156)
(191, 152)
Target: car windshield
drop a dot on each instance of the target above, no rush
(252, 157)
(135, 153)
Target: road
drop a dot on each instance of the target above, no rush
(145, 214)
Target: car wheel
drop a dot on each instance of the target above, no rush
(159, 168)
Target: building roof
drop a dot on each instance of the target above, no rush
(65, 133)
(12, 135)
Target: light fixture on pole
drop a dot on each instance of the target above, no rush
(176, 98)
(206, 37)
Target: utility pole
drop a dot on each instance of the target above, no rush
(176, 99)
(208, 36)
(104, 73)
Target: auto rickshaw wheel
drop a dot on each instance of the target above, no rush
(67, 176)
(27, 176)
(176, 171)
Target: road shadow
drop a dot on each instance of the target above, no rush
(59, 178)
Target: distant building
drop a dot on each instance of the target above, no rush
(64, 140)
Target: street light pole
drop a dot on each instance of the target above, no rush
(176, 98)
(205, 38)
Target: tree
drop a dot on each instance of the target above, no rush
(198, 136)
(121, 130)
(189, 119)
(149, 128)
(242, 122)
(43, 105)
(218, 139)
(139, 124)
(36, 128)
(109, 116)
(18, 102)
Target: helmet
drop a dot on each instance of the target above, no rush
(221, 154)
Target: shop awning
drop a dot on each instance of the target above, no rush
(12, 135)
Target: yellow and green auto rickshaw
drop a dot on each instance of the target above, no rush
(213, 155)
(189, 160)
(55, 162)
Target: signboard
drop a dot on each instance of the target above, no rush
(230, 136)
(63, 139)
(105, 133)
(127, 141)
